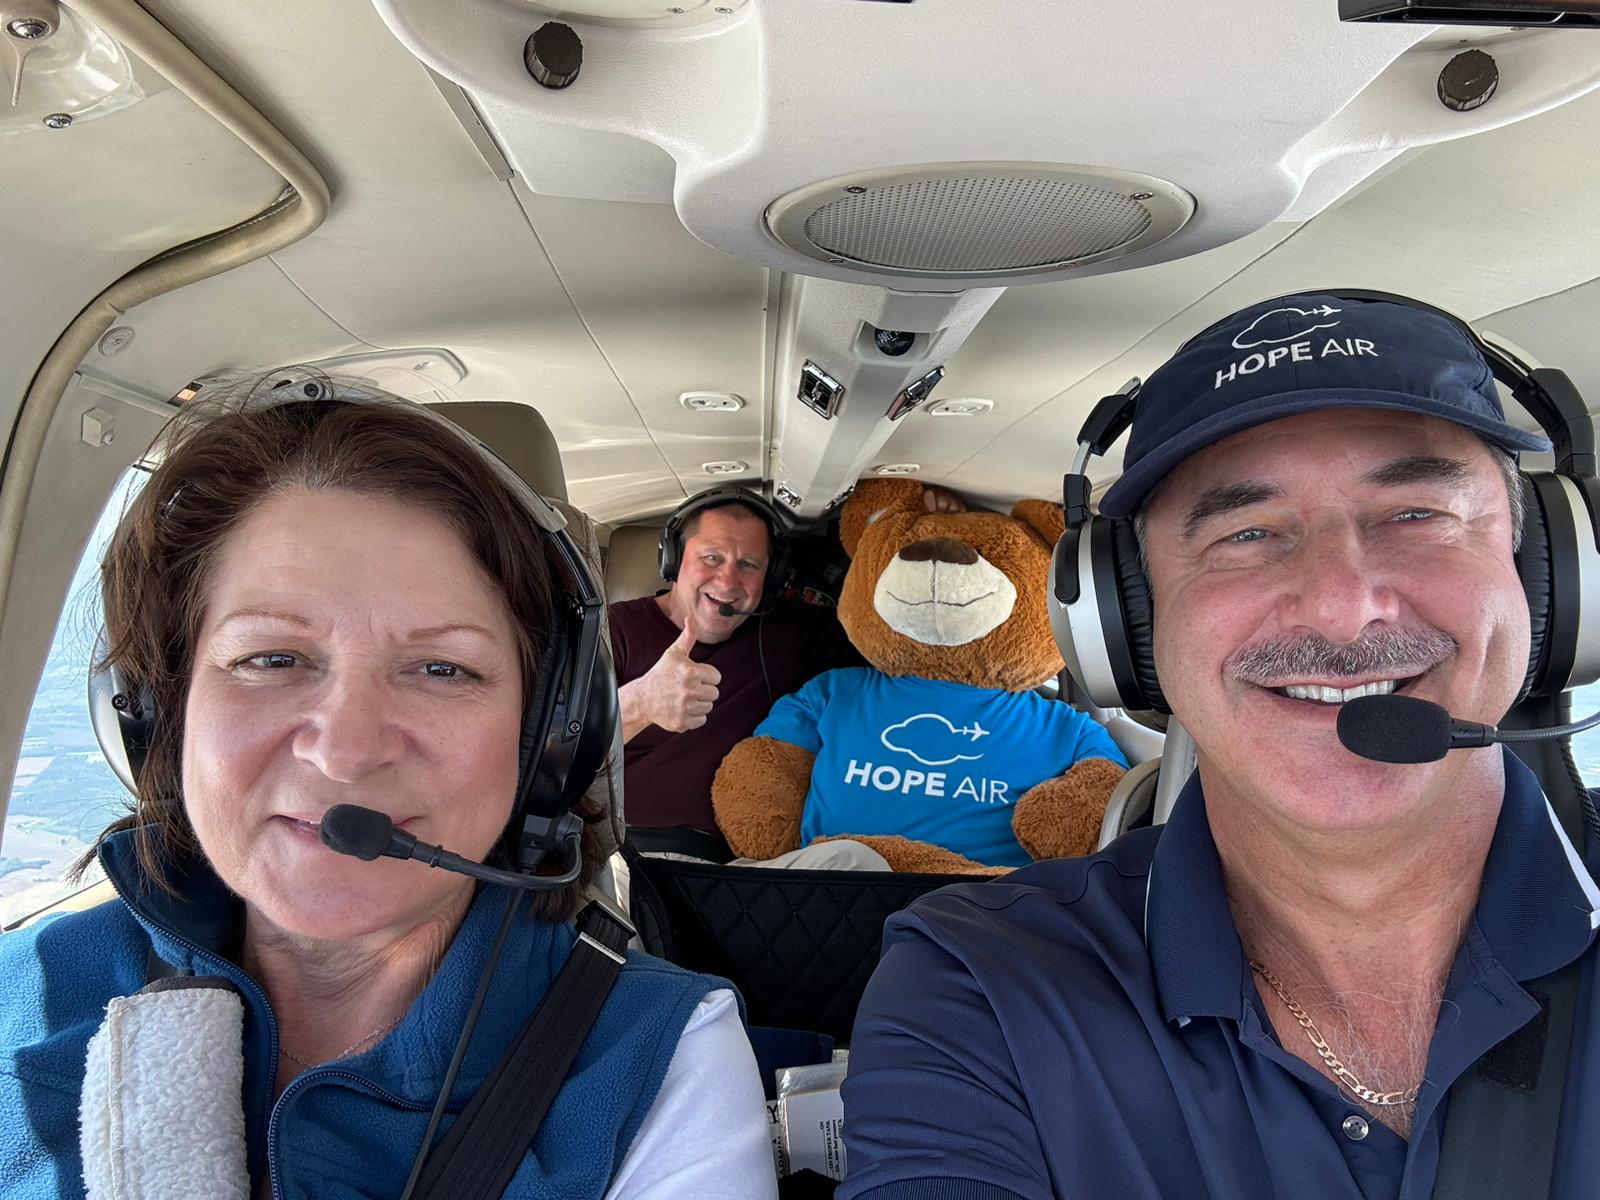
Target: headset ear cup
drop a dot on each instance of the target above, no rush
(1538, 584)
(777, 566)
(123, 714)
(602, 720)
(669, 550)
(1138, 616)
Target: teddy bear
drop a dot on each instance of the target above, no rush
(938, 754)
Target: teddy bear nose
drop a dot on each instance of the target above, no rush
(939, 549)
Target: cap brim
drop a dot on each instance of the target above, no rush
(1138, 481)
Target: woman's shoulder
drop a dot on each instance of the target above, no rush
(80, 941)
(655, 1000)
(667, 980)
(60, 972)
(647, 986)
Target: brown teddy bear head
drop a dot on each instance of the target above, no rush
(957, 596)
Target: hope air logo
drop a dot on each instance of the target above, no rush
(1297, 345)
(930, 740)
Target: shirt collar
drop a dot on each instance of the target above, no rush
(1537, 910)
(199, 914)
(205, 918)
(1188, 926)
(1539, 905)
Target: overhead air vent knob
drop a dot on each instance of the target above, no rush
(1468, 80)
(553, 55)
(893, 342)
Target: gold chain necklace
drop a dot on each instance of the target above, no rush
(1328, 1056)
(348, 1050)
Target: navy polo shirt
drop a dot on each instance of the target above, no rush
(1089, 1027)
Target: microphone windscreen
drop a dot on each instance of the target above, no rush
(727, 610)
(351, 829)
(1395, 729)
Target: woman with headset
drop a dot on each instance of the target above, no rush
(326, 597)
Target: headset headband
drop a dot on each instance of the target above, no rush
(570, 719)
(1099, 601)
(669, 549)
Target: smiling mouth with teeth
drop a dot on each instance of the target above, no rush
(1330, 695)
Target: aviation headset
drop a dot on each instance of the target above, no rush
(571, 715)
(1099, 596)
(669, 550)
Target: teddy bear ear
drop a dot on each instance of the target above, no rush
(872, 499)
(1044, 518)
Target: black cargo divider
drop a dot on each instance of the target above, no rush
(799, 945)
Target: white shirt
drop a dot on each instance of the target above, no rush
(706, 1136)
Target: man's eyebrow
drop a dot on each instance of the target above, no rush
(1417, 468)
(1218, 500)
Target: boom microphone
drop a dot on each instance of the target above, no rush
(1407, 729)
(727, 610)
(366, 834)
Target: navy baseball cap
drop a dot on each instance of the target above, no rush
(1298, 354)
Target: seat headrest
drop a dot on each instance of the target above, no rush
(606, 791)
(633, 567)
(519, 435)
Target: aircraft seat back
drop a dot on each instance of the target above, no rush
(519, 435)
(632, 566)
(1151, 788)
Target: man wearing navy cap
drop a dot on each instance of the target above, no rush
(1272, 994)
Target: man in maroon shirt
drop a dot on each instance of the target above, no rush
(693, 682)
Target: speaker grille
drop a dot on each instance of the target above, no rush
(978, 221)
(985, 223)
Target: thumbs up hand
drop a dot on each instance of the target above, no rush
(679, 692)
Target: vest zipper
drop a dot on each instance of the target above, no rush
(305, 1080)
(233, 975)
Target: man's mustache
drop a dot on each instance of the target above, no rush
(1386, 653)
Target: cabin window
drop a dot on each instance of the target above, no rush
(1586, 746)
(63, 793)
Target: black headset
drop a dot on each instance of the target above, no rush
(1099, 597)
(669, 550)
(571, 716)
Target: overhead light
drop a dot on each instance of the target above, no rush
(966, 406)
(711, 401)
(897, 469)
(61, 70)
(730, 467)
(914, 393)
(1541, 14)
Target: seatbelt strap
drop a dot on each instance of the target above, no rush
(477, 1157)
(1500, 1133)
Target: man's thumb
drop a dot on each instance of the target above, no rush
(686, 640)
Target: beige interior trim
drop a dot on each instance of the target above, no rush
(297, 213)
(82, 898)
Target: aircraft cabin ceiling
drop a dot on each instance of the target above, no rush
(733, 195)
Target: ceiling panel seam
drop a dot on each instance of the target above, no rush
(312, 300)
(1559, 292)
(577, 311)
(773, 314)
(1129, 349)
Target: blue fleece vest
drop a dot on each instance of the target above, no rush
(348, 1129)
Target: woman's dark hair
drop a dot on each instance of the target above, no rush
(222, 457)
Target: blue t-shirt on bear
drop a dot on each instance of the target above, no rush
(928, 759)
